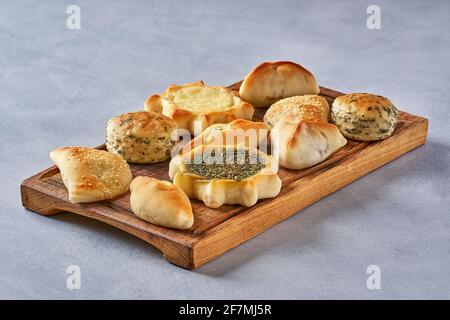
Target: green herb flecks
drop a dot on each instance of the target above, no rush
(234, 164)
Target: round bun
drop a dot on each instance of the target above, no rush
(140, 137)
(364, 116)
(309, 107)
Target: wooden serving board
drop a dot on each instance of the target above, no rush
(216, 231)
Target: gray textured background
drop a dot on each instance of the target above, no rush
(59, 86)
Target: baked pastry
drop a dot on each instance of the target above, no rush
(141, 137)
(272, 81)
(220, 175)
(301, 134)
(238, 132)
(308, 107)
(364, 116)
(90, 174)
(195, 106)
(161, 203)
(302, 144)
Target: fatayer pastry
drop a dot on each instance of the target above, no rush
(196, 106)
(224, 162)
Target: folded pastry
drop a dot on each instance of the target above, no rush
(238, 132)
(220, 175)
(302, 144)
(272, 81)
(301, 135)
(90, 174)
(195, 106)
(161, 203)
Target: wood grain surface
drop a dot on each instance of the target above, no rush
(216, 231)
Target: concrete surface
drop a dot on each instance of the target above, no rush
(59, 86)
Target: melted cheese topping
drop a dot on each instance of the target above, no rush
(203, 99)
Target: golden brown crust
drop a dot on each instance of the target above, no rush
(302, 144)
(241, 132)
(142, 123)
(90, 174)
(307, 107)
(161, 203)
(302, 132)
(216, 192)
(272, 81)
(195, 103)
(363, 101)
(364, 116)
(140, 137)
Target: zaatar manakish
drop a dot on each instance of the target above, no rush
(364, 116)
(252, 176)
(228, 164)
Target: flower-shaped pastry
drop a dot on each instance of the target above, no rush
(195, 106)
(220, 175)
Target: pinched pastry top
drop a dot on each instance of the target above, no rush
(301, 131)
(272, 81)
(161, 203)
(238, 132)
(220, 175)
(196, 104)
(305, 143)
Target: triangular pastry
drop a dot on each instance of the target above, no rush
(90, 174)
(302, 144)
